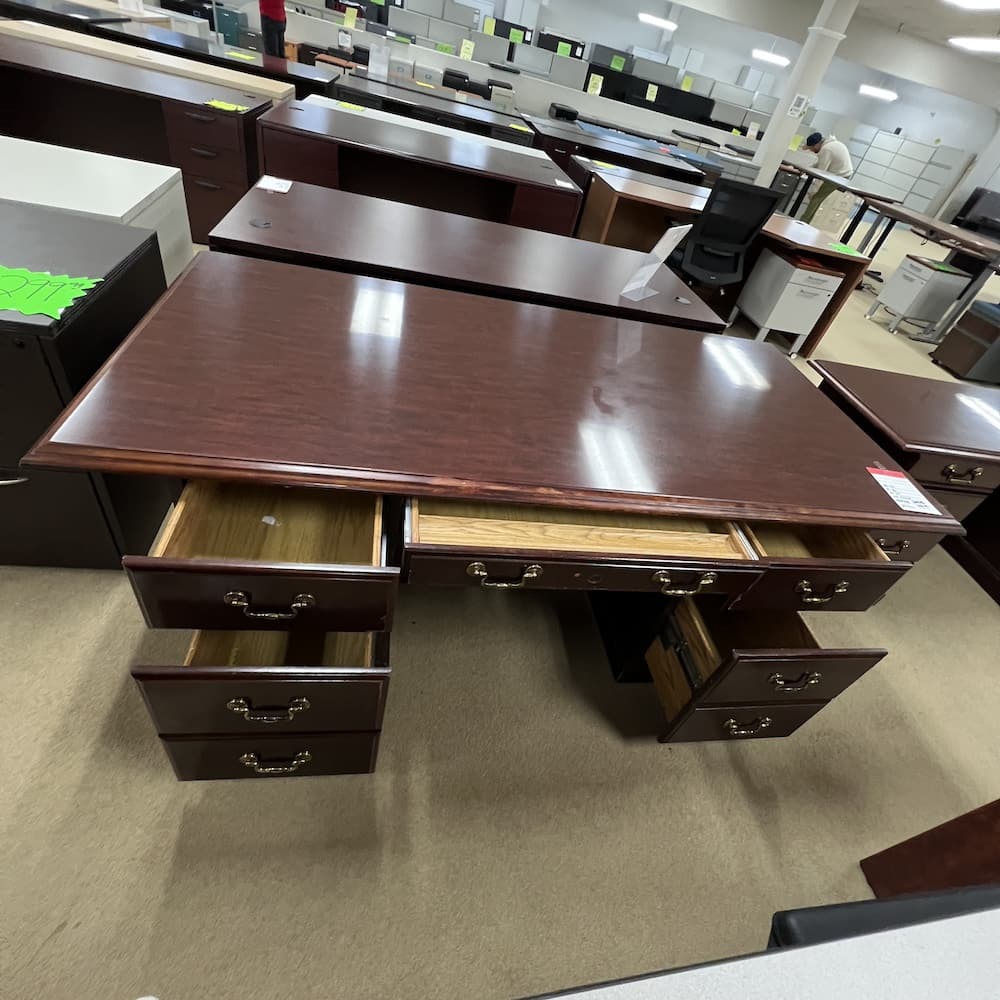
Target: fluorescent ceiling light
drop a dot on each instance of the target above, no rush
(771, 57)
(659, 22)
(976, 44)
(975, 4)
(882, 95)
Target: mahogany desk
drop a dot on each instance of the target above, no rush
(384, 239)
(418, 164)
(411, 86)
(510, 447)
(426, 106)
(582, 169)
(947, 435)
(59, 13)
(88, 102)
(617, 211)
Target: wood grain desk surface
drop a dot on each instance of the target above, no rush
(963, 237)
(61, 9)
(844, 183)
(460, 151)
(363, 235)
(599, 167)
(441, 93)
(922, 414)
(269, 372)
(38, 57)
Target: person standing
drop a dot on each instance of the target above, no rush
(834, 158)
(272, 26)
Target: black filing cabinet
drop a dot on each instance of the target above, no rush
(69, 518)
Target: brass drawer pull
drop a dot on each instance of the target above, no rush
(805, 588)
(952, 475)
(893, 550)
(803, 681)
(252, 761)
(733, 728)
(241, 706)
(662, 577)
(478, 570)
(240, 599)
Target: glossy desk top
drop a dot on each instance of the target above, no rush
(363, 235)
(922, 414)
(963, 237)
(441, 93)
(269, 372)
(50, 59)
(599, 167)
(406, 139)
(61, 9)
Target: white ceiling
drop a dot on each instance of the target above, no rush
(931, 19)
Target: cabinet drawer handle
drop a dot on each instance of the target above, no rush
(208, 184)
(662, 577)
(13, 482)
(806, 294)
(805, 588)
(199, 118)
(733, 728)
(951, 473)
(242, 706)
(252, 761)
(206, 154)
(240, 599)
(803, 681)
(893, 550)
(478, 570)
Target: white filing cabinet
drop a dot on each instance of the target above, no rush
(144, 195)
(921, 290)
(787, 294)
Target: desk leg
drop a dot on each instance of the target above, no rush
(800, 197)
(853, 273)
(852, 227)
(870, 235)
(936, 333)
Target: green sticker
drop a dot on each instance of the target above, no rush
(445, 47)
(516, 35)
(39, 293)
(563, 49)
(844, 248)
(617, 63)
(248, 56)
(226, 106)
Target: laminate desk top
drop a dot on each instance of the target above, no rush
(37, 57)
(363, 235)
(269, 372)
(442, 93)
(962, 237)
(59, 11)
(305, 79)
(421, 141)
(586, 165)
(844, 183)
(922, 414)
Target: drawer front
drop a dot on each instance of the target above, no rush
(201, 159)
(904, 546)
(959, 503)
(202, 594)
(542, 574)
(948, 470)
(745, 722)
(791, 675)
(799, 309)
(810, 279)
(256, 756)
(208, 201)
(915, 270)
(187, 124)
(805, 588)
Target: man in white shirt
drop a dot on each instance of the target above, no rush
(833, 157)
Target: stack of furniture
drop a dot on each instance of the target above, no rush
(972, 348)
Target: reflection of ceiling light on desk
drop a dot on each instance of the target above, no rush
(975, 4)
(976, 44)
(878, 92)
(770, 57)
(732, 358)
(378, 311)
(658, 22)
(989, 413)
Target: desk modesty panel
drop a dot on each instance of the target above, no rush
(321, 227)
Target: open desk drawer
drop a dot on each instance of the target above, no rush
(815, 568)
(508, 546)
(255, 557)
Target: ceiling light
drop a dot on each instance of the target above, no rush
(658, 22)
(976, 44)
(975, 4)
(882, 95)
(771, 57)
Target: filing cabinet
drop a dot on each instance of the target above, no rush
(920, 291)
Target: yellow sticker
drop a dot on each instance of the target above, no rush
(651, 91)
(687, 83)
(465, 52)
(490, 26)
(350, 17)
(736, 131)
(248, 56)
(226, 106)
(350, 107)
(429, 86)
(520, 128)
(595, 84)
(796, 142)
(603, 165)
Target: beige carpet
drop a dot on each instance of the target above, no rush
(519, 835)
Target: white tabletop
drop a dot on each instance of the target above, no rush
(74, 180)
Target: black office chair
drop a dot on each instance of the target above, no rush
(714, 252)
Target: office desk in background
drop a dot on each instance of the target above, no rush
(582, 170)
(617, 210)
(360, 235)
(853, 186)
(437, 90)
(321, 142)
(92, 103)
(60, 13)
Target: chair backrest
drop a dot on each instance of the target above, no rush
(734, 214)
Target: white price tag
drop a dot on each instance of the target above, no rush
(903, 491)
(267, 183)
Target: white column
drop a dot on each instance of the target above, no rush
(806, 75)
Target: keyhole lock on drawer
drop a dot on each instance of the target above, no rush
(663, 577)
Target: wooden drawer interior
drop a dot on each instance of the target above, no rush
(479, 527)
(257, 649)
(273, 525)
(813, 542)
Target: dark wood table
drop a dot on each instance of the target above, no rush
(59, 13)
(360, 235)
(418, 164)
(618, 211)
(306, 79)
(88, 102)
(947, 435)
(582, 169)
(425, 106)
